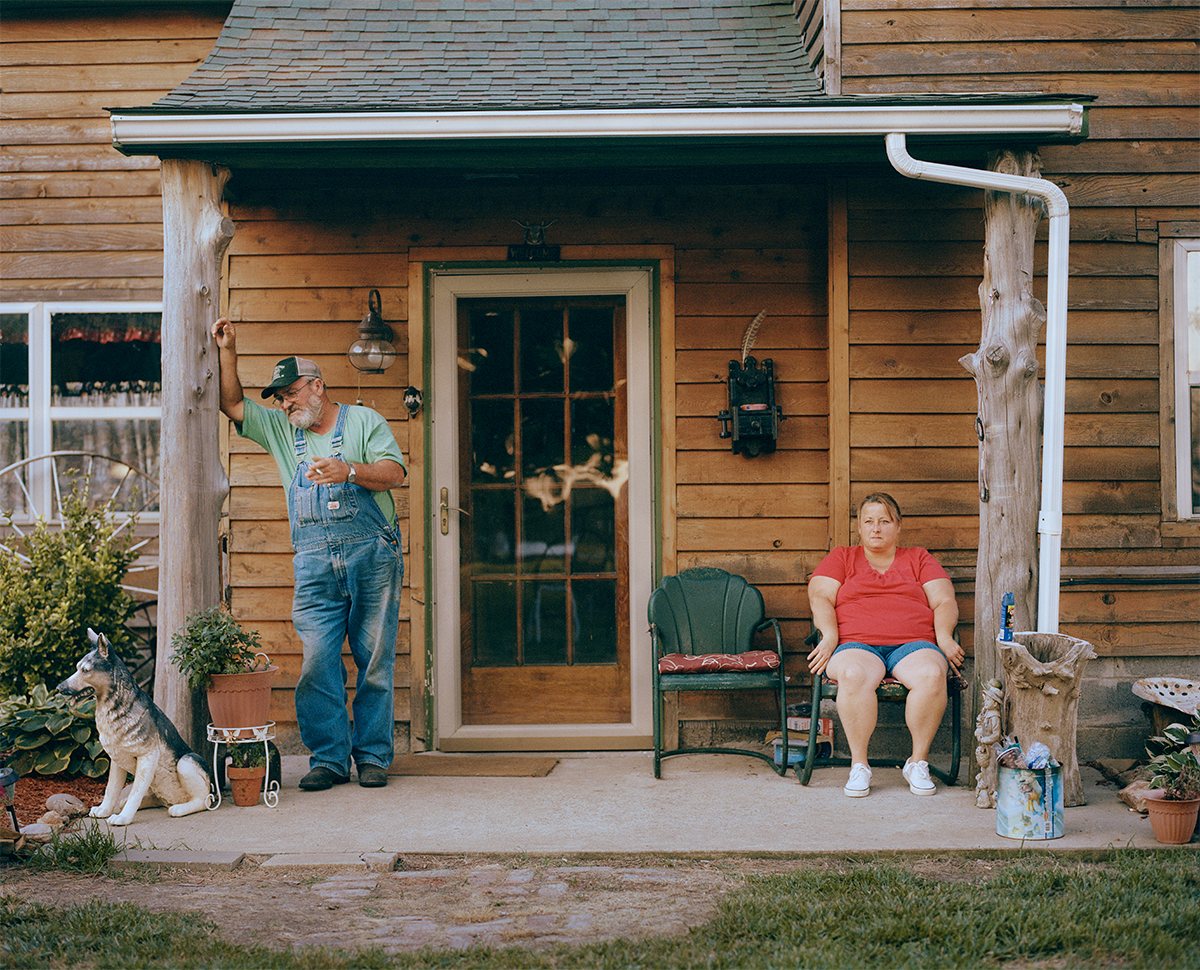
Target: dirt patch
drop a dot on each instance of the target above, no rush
(448, 902)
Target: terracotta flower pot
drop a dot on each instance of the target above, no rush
(241, 700)
(246, 784)
(1173, 822)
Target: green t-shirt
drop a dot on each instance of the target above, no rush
(366, 438)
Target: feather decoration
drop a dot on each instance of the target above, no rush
(751, 334)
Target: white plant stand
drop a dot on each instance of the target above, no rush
(262, 734)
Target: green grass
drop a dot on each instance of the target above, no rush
(1127, 909)
(85, 850)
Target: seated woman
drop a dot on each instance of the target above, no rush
(884, 610)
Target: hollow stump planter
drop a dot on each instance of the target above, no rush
(241, 700)
(246, 784)
(1042, 675)
(1173, 823)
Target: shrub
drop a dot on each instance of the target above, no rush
(72, 580)
(47, 735)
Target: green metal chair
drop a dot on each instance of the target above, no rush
(706, 618)
(893, 692)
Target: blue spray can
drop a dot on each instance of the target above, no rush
(1008, 607)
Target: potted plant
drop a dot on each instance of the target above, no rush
(247, 768)
(1173, 801)
(217, 655)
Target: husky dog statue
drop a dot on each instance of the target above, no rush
(139, 739)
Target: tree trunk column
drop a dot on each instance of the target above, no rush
(193, 487)
(1043, 672)
(1008, 423)
(1005, 368)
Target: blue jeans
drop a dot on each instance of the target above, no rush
(348, 589)
(349, 568)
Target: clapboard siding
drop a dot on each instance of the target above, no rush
(1138, 167)
(885, 403)
(80, 220)
(293, 287)
(299, 275)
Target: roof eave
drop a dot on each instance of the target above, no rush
(136, 132)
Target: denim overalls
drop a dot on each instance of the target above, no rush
(349, 569)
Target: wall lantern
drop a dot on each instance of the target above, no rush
(752, 412)
(372, 352)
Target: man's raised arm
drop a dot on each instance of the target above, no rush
(231, 386)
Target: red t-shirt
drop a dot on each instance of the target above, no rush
(882, 610)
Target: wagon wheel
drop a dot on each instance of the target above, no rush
(36, 488)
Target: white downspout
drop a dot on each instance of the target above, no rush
(1050, 519)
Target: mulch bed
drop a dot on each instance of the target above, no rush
(33, 790)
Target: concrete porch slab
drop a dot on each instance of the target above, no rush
(610, 802)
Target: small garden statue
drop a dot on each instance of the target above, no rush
(987, 734)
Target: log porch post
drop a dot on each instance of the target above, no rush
(193, 487)
(1005, 368)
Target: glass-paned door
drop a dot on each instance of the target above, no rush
(542, 487)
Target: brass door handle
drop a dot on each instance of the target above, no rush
(446, 509)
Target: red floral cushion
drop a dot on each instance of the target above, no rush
(711, 663)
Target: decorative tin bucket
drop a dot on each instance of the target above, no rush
(1029, 803)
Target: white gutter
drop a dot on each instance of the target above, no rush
(1050, 519)
(130, 129)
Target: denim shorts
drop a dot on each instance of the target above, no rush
(891, 655)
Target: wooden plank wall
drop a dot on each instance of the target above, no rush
(82, 221)
(299, 283)
(915, 310)
(79, 220)
(300, 268)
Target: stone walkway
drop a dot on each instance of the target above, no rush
(442, 902)
(531, 906)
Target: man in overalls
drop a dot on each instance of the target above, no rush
(338, 463)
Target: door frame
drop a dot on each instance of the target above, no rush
(445, 284)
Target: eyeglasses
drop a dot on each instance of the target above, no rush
(287, 397)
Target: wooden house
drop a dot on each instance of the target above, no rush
(573, 212)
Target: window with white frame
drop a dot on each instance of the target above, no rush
(78, 377)
(1187, 377)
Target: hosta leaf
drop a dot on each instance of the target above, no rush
(57, 722)
(96, 769)
(21, 763)
(81, 731)
(51, 762)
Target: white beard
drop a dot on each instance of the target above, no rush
(305, 416)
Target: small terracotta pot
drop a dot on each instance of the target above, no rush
(246, 784)
(1173, 822)
(241, 700)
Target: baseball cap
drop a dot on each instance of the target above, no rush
(288, 371)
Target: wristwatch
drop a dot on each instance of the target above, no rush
(353, 474)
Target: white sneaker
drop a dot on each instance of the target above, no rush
(916, 773)
(859, 785)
